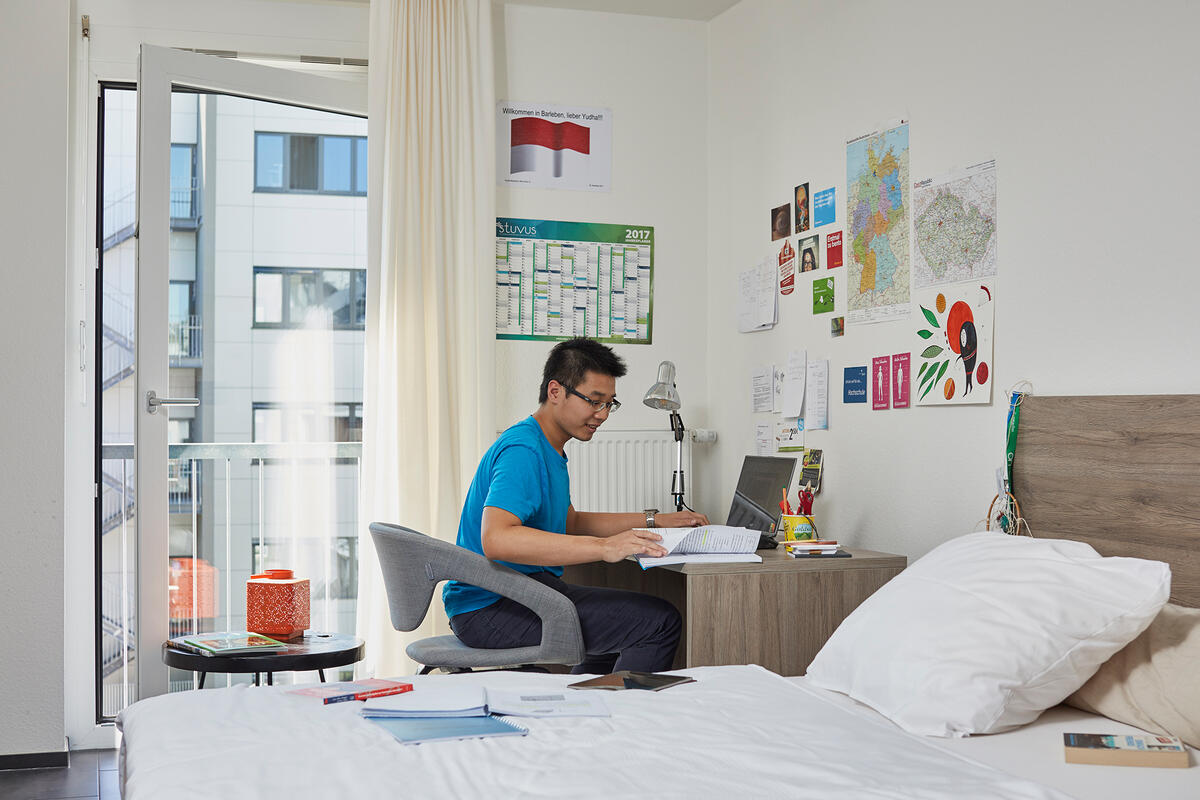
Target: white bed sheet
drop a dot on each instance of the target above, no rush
(738, 731)
(1035, 751)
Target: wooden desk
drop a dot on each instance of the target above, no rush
(777, 614)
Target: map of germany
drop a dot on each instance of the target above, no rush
(955, 227)
(877, 213)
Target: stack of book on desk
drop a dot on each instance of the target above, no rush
(815, 548)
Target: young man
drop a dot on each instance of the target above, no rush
(518, 513)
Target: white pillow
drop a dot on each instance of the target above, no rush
(988, 630)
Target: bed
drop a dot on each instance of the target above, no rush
(738, 730)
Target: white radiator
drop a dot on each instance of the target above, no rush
(626, 470)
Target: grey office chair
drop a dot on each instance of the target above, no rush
(413, 564)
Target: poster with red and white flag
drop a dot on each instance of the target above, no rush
(554, 147)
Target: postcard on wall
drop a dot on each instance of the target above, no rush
(553, 147)
(787, 268)
(789, 435)
(823, 295)
(816, 395)
(825, 207)
(833, 249)
(952, 345)
(837, 327)
(810, 252)
(802, 218)
(901, 377)
(760, 389)
(810, 469)
(781, 221)
(881, 382)
(854, 385)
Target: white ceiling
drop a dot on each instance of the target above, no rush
(703, 10)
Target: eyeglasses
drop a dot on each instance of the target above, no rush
(612, 406)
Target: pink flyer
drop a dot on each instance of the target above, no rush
(881, 382)
(901, 379)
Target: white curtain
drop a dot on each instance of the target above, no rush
(429, 376)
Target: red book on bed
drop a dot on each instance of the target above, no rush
(353, 690)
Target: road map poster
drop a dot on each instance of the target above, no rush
(557, 280)
(954, 226)
(877, 219)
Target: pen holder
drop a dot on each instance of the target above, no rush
(798, 527)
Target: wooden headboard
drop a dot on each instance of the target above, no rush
(1121, 473)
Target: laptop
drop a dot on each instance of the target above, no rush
(759, 489)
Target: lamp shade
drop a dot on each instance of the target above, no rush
(662, 394)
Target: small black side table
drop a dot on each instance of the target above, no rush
(318, 651)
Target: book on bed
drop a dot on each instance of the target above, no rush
(415, 730)
(719, 544)
(1125, 751)
(344, 691)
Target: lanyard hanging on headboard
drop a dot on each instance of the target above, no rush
(1009, 516)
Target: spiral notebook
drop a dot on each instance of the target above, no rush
(415, 730)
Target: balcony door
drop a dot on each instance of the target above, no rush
(240, 364)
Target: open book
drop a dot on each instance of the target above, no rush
(706, 544)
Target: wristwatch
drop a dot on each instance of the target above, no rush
(650, 512)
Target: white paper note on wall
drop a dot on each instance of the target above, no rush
(764, 439)
(793, 384)
(760, 389)
(816, 395)
(776, 388)
(758, 302)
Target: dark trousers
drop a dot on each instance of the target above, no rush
(621, 630)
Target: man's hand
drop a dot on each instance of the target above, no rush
(680, 519)
(631, 543)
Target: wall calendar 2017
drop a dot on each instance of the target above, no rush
(557, 280)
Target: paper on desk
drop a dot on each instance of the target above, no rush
(760, 389)
(758, 302)
(701, 558)
(816, 395)
(792, 404)
(542, 702)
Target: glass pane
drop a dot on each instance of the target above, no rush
(268, 168)
(360, 297)
(182, 181)
(116, 528)
(302, 163)
(233, 509)
(337, 296)
(268, 297)
(360, 166)
(335, 164)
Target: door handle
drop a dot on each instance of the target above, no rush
(153, 401)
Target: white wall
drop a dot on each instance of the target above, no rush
(650, 72)
(33, 215)
(1089, 113)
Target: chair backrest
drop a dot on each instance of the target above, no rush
(413, 564)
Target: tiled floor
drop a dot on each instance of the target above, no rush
(92, 774)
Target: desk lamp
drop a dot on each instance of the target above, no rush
(663, 395)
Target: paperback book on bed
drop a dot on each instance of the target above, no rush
(1127, 751)
(344, 691)
(704, 544)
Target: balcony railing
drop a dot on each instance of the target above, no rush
(184, 339)
(235, 508)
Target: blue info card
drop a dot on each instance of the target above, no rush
(824, 207)
(854, 385)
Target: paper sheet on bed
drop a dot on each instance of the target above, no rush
(725, 731)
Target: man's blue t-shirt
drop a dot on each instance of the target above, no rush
(523, 474)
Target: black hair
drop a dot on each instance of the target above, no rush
(569, 360)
